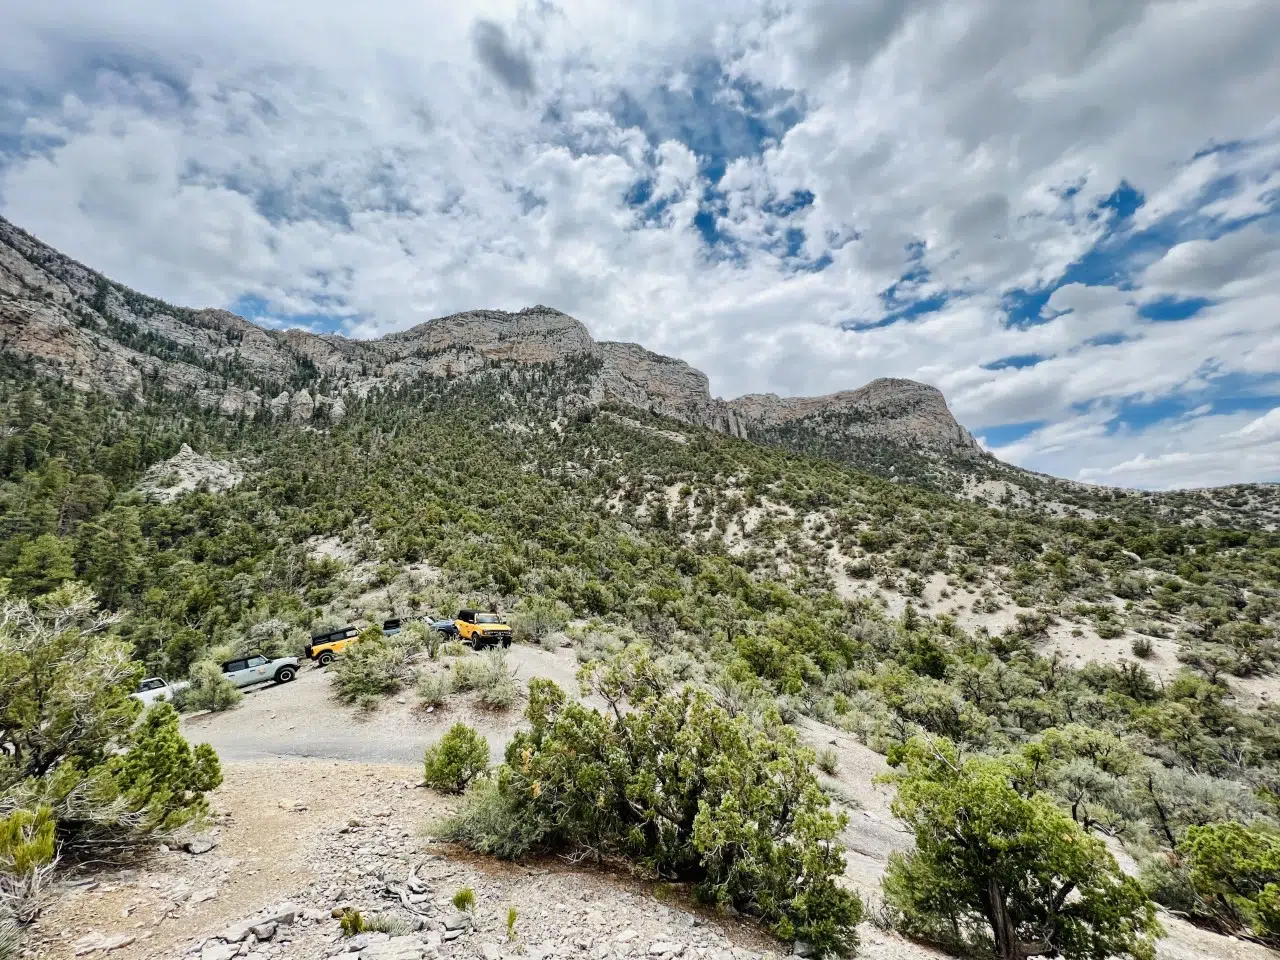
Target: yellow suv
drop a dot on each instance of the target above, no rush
(325, 647)
(480, 630)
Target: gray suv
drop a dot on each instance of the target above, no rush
(246, 671)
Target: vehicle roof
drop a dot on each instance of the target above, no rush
(330, 633)
(245, 656)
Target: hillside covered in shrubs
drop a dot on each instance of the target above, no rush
(763, 584)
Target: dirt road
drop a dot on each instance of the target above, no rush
(301, 719)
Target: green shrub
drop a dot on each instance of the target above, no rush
(1165, 878)
(459, 757)
(512, 916)
(434, 688)
(999, 869)
(76, 745)
(454, 648)
(490, 676)
(465, 899)
(27, 854)
(1236, 870)
(418, 636)
(535, 618)
(352, 923)
(828, 761)
(386, 923)
(1142, 647)
(491, 822)
(162, 779)
(683, 789)
(210, 690)
(371, 667)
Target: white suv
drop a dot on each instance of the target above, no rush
(154, 689)
(246, 671)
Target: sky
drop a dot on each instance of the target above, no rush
(1065, 214)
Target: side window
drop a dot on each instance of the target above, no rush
(257, 661)
(233, 666)
(350, 634)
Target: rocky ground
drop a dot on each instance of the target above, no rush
(321, 811)
(298, 841)
(186, 471)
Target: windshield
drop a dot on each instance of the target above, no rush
(488, 618)
(151, 685)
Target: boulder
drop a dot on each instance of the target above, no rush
(662, 948)
(395, 948)
(301, 406)
(205, 841)
(237, 932)
(284, 914)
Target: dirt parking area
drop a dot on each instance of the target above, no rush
(301, 718)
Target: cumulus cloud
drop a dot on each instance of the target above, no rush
(1036, 207)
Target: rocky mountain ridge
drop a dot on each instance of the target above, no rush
(71, 322)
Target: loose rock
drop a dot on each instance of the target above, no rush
(201, 844)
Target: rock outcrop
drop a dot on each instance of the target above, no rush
(97, 335)
(632, 375)
(900, 411)
(533, 335)
(186, 471)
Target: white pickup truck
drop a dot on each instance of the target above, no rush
(154, 689)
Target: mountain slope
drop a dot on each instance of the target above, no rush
(777, 580)
(96, 334)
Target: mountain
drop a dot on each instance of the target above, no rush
(847, 571)
(99, 335)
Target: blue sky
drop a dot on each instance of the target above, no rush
(1066, 218)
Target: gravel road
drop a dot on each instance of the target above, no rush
(301, 719)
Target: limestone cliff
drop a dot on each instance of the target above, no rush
(901, 411)
(98, 335)
(632, 375)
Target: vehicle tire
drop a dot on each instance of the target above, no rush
(285, 674)
(506, 643)
(325, 658)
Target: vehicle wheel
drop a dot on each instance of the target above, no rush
(506, 643)
(325, 659)
(285, 674)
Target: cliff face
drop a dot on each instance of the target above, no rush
(77, 325)
(632, 375)
(901, 411)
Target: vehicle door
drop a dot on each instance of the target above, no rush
(258, 669)
(237, 671)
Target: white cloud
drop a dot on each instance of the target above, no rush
(391, 162)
